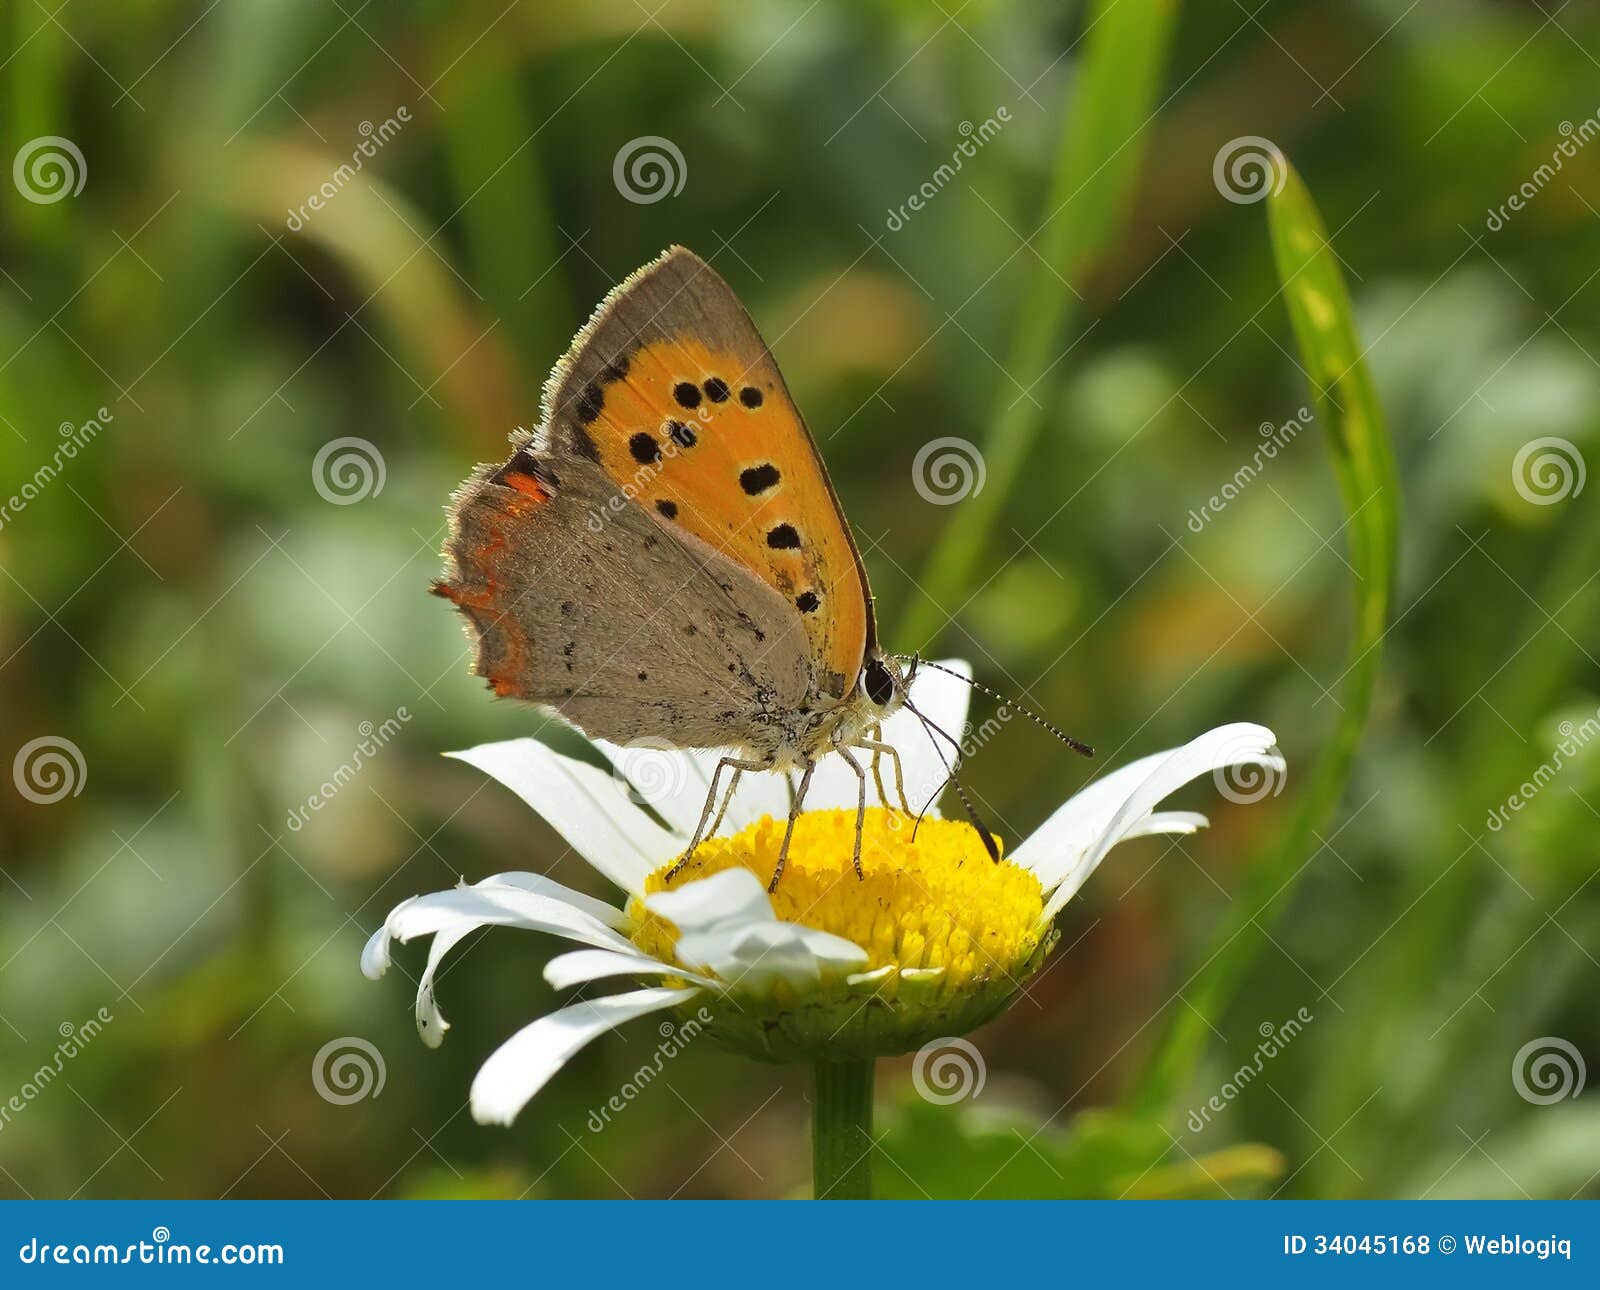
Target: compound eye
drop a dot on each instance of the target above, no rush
(877, 683)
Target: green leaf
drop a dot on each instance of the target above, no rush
(1346, 406)
(986, 1152)
(1101, 150)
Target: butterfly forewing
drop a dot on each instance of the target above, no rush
(672, 393)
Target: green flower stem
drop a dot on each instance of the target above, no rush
(841, 1130)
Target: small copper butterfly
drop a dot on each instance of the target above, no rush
(665, 557)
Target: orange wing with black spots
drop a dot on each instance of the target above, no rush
(671, 391)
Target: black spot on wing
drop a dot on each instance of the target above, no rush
(646, 451)
(668, 510)
(750, 397)
(687, 393)
(783, 538)
(589, 403)
(681, 434)
(758, 479)
(717, 390)
(806, 602)
(582, 444)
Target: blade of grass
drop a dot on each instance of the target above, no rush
(1347, 408)
(1101, 148)
(1479, 920)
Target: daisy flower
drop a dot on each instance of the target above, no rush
(829, 969)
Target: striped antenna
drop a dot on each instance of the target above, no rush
(1074, 744)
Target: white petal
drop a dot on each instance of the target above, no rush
(1073, 841)
(940, 697)
(576, 967)
(431, 1024)
(522, 1065)
(375, 954)
(732, 896)
(537, 883)
(587, 807)
(449, 916)
(675, 783)
(752, 958)
(483, 906)
(1167, 822)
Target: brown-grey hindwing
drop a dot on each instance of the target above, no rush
(578, 599)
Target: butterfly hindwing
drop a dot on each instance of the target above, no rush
(672, 393)
(581, 600)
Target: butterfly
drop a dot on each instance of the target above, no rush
(664, 557)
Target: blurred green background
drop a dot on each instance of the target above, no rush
(184, 604)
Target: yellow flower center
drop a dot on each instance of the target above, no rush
(937, 905)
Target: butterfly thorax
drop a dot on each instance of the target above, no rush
(803, 734)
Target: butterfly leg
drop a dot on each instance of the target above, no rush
(788, 832)
(880, 749)
(727, 801)
(875, 735)
(861, 802)
(737, 765)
